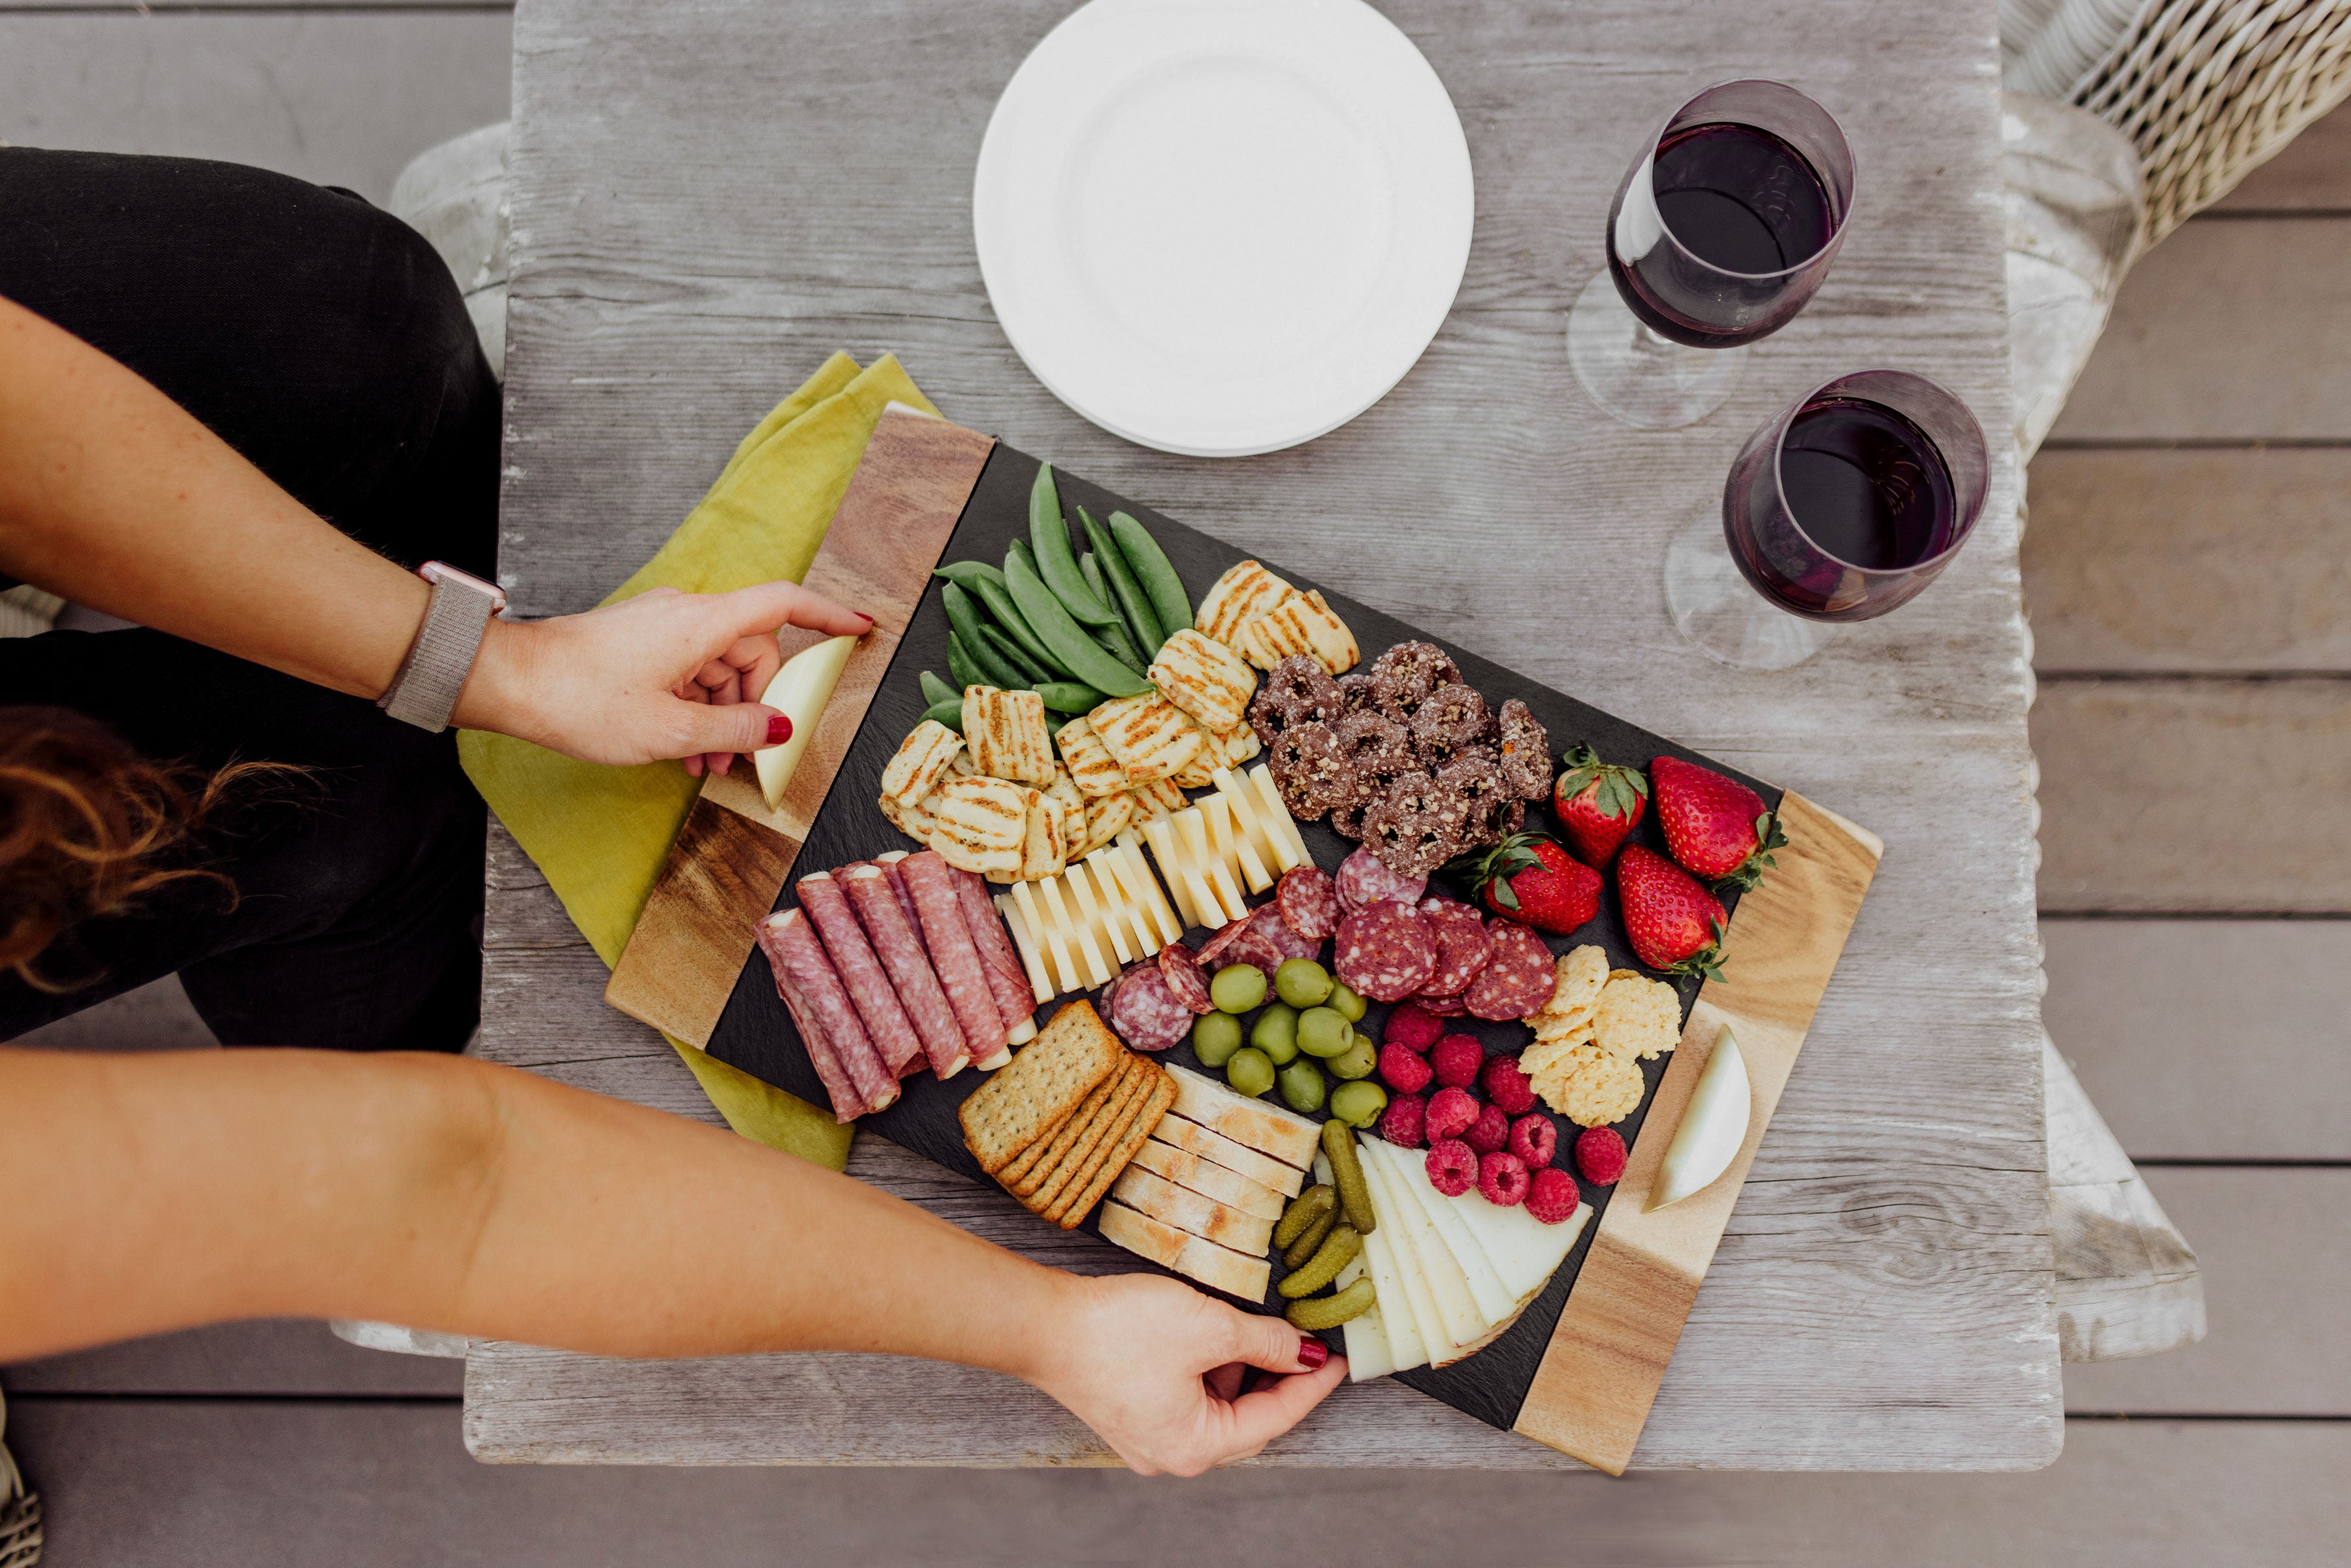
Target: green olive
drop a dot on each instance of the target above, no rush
(1276, 1033)
(1303, 1087)
(1215, 1037)
(1357, 1060)
(1302, 982)
(1238, 988)
(1359, 1104)
(1322, 1031)
(1249, 1072)
(1348, 1005)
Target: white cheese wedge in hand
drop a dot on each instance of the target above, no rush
(1411, 1176)
(1713, 1127)
(800, 689)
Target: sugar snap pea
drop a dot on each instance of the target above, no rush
(1333, 1255)
(937, 691)
(1076, 652)
(1069, 696)
(1304, 1209)
(1113, 637)
(1127, 593)
(1169, 605)
(1049, 535)
(1329, 1312)
(1008, 652)
(1306, 1246)
(960, 664)
(1347, 1173)
(966, 574)
(963, 619)
(997, 600)
(946, 713)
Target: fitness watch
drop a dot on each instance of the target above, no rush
(442, 656)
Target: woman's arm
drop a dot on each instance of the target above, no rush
(114, 497)
(155, 1192)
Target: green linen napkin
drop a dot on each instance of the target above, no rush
(601, 834)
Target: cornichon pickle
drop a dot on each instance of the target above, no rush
(1347, 1173)
(1333, 1255)
(1329, 1312)
(1304, 1209)
(1307, 1244)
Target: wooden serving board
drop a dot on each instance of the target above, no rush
(1579, 1367)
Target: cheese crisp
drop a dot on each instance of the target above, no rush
(1575, 988)
(1303, 624)
(1637, 1018)
(1005, 732)
(922, 760)
(1592, 1086)
(1246, 591)
(981, 824)
(1092, 767)
(1204, 678)
(1148, 735)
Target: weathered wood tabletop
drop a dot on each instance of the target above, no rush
(709, 199)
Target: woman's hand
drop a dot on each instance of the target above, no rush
(660, 675)
(1152, 1365)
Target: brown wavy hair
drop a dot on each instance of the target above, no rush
(89, 827)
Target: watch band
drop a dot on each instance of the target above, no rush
(425, 690)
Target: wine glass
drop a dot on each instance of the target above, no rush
(1842, 507)
(1724, 224)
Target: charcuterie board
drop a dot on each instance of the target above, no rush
(1580, 1364)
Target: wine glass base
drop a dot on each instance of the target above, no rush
(1637, 376)
(1719, 613)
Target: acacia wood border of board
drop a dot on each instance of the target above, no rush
(1590, 1396)
(733, 855)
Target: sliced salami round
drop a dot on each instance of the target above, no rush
(1385, 951)
(1145, 1010)
(1462, 945)
(1266, 918)
(1181, 967)
(1517, 979)
(1242, 942)
(1442, 1007)
(1362, 880)
(1309, 901)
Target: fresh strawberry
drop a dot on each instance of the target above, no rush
(1717, 827)
(1529, 878)
(1675, 924)
(1598, 803)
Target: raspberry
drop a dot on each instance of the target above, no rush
(1507, 1087)
(1599, 1155)
(1452, 1166)
(1553, 1197)
(1534, 1140)
(1450, 1112)
(1490, 1132)
(1404, 1123)
(1457, 1057)
(1502, 1178)
(1413, 1026)
(1405, 1071)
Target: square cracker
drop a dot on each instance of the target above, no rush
(1131, 1138)
(1049, 1148)
(1127, 1092)
(1075, 1138)
(1045, 1083)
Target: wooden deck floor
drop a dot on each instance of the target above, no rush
(2191, 596)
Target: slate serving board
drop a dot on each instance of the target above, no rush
(754, 1031)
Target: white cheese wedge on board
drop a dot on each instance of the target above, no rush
(1523, 1250)
(1713, 1127)
(1399, 1331)
(1366, 1337)
(800, 690)
(1494, 1302)
(1440, 1300)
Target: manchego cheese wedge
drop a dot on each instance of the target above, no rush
(800, 690)
(1713, 1127)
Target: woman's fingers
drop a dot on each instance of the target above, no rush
(1225, 1382)
(1276, 1404)
(749, 612)
(727, 729)
(726, 693)
(1270, 1342)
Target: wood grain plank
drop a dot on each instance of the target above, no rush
(343, 98)
(2237, 331)
(2206, 1039)
(2312, 174)
(2195, 796)
(2190, 562)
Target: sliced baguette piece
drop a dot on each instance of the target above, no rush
(1193, 1138)
(1267, 1128)
(1219, 1267)
(1209, 1179)
(1146, 1192)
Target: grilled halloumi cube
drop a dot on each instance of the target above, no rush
(1204, 678)
(1107, 816)
(980, 824)
(1246, 591)
(1005, 732)
(1235, 746)
(1157, 798)
(1092, 767)
(1303, 624)
(1201, 771)
(1148, 735)
(923, 759)
(1045, 844)
(1065, 789)
(916, 822)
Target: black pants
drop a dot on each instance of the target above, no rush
(325, 341)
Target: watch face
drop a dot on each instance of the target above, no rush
(436, 571)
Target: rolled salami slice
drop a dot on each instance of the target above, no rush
(843, 1055)
(1385, 951)
(955, 959)
(899, 944)
(1309, 901)
(895, 870)
(1462, 945)
(1182, 967)
(862, 972)
(1519, 978)
(1145, 1010)
(1015, 1002)
(1268, 923)
(1363, 880)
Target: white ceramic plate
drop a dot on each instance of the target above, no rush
(1222, 226)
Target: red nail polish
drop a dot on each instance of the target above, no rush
(1311, 1353)
(780, 728)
